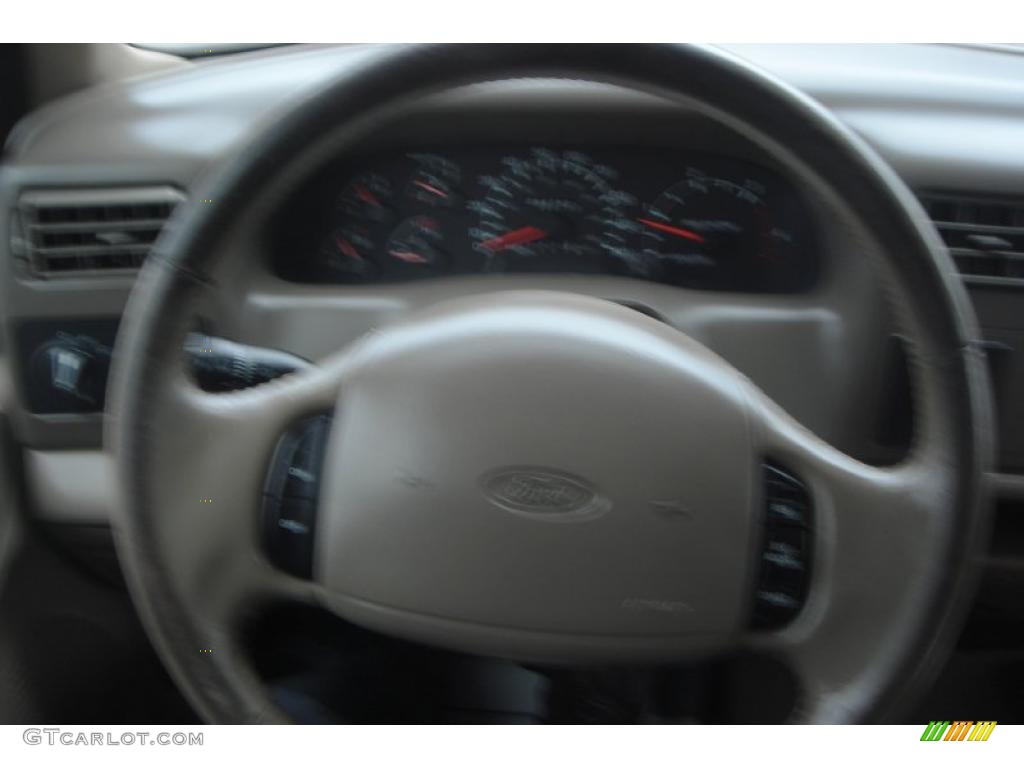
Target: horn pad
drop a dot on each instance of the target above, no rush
(541, 476)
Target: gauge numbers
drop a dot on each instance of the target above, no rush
(722, 224)
(545, 207)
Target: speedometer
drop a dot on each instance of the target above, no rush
(546, 208)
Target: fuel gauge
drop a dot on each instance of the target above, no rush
(435, 182)
(368, 200)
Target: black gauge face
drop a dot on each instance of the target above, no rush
(660, 215)
(435, 183)
(346, 254)
(713, 232)
(415, 248)
(545, 207)
(364, 217)
(368, 200)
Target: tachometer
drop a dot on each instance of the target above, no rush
(708, 231)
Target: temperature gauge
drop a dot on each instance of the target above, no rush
(350, 251)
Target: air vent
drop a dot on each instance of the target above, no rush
(87, 232)
(985, 235)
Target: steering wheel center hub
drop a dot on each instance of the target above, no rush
(561, 468)
(544, 494)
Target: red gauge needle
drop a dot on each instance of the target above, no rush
(347, 248)
(366, 195)
(430, 188)
(677, 231)
(409, 257)
(519, 236)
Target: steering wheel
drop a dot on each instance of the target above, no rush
(490, 487)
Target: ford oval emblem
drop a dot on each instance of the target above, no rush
(543, 494)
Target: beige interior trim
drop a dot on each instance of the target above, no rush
(73, 486)
(70, 486)
(56, 69)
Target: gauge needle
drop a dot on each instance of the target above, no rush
(348, 249)
(519, 236)
(430, 188)
(677, 231)
(366, 195)
(410, 257)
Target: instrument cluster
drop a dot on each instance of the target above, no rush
(696, 221)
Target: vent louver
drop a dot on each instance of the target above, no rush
(86, 232)
(985, 235)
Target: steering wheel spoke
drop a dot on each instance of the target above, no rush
(547, 476)
(205, 480)
(867, 564)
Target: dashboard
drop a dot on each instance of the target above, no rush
(662, 215)
(544, 184)
(523, 185)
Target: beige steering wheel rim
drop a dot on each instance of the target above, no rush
(952, 449)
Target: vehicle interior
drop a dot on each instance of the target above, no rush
(511, 383)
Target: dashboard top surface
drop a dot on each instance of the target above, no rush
(914, 103)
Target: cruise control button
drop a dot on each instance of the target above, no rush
(290, 493)
(300, 483)
(786, 498)
(293, 526)
(773, 608)
(785, 579)
(783, 575)
(787, 511)
(786, 542)
(783, 556)
(289, 542)
(777, 599)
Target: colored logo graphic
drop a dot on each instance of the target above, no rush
(959, 730)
